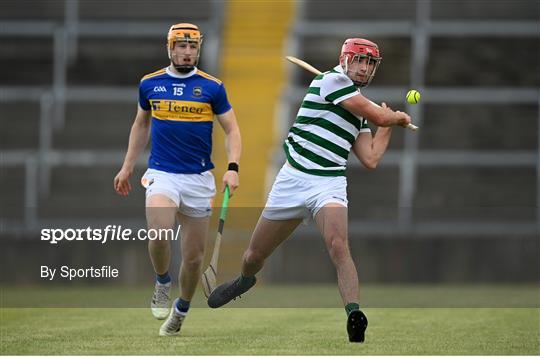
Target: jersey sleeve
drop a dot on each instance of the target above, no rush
(143, 99)
(221, 103)
(336, 87)
(364, 127)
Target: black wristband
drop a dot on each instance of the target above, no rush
(233, 166)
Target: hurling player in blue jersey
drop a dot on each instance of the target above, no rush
(177, 105)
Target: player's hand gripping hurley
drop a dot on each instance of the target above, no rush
(314, 70)
(210, 274)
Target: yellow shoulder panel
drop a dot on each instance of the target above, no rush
(206, 75)
(153, 74)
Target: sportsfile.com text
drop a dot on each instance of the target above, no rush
(107, 234)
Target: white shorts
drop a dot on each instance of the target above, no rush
(192, 193)
(296, 194)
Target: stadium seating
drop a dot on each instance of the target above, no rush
(472, 191)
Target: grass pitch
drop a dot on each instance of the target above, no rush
(281, 331)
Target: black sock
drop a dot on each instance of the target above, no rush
(246, 280)
(350, 307)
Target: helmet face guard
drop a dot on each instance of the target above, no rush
(186, 33)
(360, 59)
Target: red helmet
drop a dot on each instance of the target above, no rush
(355, 49)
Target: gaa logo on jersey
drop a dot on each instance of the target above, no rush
(160, 89)
(197, 91)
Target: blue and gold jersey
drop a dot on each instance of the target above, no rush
(183, 108)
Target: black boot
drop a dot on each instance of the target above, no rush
(356, 326)
(230, 291)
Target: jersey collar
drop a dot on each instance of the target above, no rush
(189, 74)
(339, 69)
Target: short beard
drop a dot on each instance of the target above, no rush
(183, 68)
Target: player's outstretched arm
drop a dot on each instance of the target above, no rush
(233, 145)
(138, 139)
(380, 116)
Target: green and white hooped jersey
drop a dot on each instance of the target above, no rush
(323, 133)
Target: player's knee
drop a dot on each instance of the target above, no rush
(338, 249)
(158, 243)
(193, 262)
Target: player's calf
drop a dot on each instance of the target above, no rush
(253, 262)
